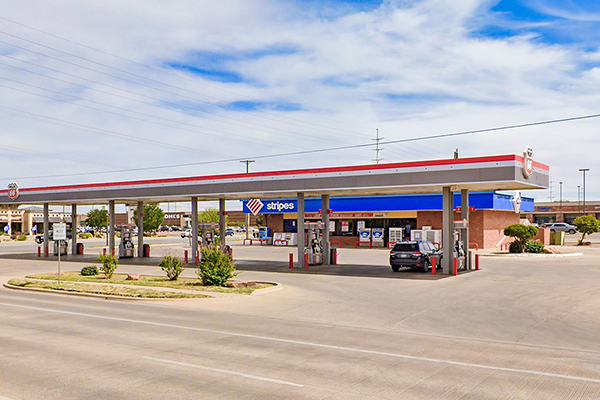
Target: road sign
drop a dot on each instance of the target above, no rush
(59, 231)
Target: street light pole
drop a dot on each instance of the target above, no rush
(584, 171)
(562, 217)
(247, 162)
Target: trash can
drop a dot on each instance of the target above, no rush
(146, 250)
(80, 248)
(557, 238)
(333, 256)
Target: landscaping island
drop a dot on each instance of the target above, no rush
(146, 286)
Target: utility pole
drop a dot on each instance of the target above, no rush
(377, 149)
(247, 162)
(584, 171)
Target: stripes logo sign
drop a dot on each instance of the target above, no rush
(255, 205)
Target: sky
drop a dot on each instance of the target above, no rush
(124, 90)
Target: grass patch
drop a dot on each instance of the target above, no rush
(193, 284)
(105, 290)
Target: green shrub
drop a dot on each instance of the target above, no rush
(173, 266)
(109, 265)
(86, 235)
(534, 247)
(89, 270)
(586, 225)
(515, 247)
(22, 237)
(216, 267)
(522, 233)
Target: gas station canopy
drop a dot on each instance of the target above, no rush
(508, 172)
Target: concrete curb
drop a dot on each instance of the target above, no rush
(210, 295)
(530, 255)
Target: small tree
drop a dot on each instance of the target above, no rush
(211, 215)
(172, 266)
(586, 225)
(153, 216)
(97, 219)
(521, 233)
(216, 267)
(109, 265)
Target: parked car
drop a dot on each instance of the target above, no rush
(562, 227)
(414, 254)
(187, 233)
(39, 239)
(175, 228)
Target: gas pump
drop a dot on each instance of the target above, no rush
(126, 245)
(460, 230)
(313, 248)
(208, 233)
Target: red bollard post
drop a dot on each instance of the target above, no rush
(455, 267)
(104, 251)
(306, 261)
(197, 257)
(476, 262)
(291, 260)
(39, 251)
(185, 256)
(46, 251)
(433, 266)
(335, 257)
(112, 252)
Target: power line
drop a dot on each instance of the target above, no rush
(165, 71)
(295, 153)
(139, 76)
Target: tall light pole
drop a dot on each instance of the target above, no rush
(247, 162)
(579, 199)
(584, 170)
(562, 217)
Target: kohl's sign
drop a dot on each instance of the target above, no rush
(275, 206)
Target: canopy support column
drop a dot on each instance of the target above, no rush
(222, 223)
(140, 218)
(194, 236)
(46, 228)
(325, 216)
(73, 229)
(447, 230)
(110, 229)
(301, 235)
(465, 215)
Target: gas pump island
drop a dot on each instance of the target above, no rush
(313, 246)
(126, 246)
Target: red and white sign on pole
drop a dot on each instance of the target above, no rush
(255, 205)
(528, 162)
(13, 190)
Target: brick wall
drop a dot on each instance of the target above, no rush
(486, 226)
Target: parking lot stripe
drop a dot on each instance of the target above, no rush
(312, 344)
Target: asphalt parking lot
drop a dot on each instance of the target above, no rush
(523, 327)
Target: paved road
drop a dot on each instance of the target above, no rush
(521, 328)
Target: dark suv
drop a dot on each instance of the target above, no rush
(416, 254)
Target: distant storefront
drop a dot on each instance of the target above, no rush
(490, 213)
(566, 211)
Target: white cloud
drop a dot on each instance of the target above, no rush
(409, 69)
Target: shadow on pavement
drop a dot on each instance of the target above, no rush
(354, 270)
